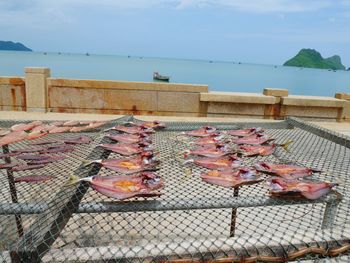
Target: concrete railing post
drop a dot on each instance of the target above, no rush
(344, 114)
(275, 111)
(36, 88)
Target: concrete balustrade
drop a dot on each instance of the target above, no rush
(36, 88)
(12, 94)
(39, 92)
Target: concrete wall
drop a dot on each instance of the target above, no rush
(12, 94)
(39, 92)
(121, 97)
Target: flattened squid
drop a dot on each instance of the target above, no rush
(147, 161)
(130, 138)
(286, 171)
(229, 178)
(219, 163)
(156, 125)
(280, 187)
(262, 150)
(213, 138)
(202, 132)
(255, 139)
(216, 150)
(127, 148)
(132, 129)
(123, 187)
(245, 132)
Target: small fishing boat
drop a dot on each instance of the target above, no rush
(157, 76)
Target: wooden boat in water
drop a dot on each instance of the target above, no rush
(158, 77)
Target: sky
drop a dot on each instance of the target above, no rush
(250, 31)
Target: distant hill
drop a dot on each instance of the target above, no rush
(310, 58)
(9, 45)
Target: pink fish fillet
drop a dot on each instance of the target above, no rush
(133, 129)
(210, 151)
(254, 150)
(60, 130)
(229, 178)
(126, 148)
(123, 187)
(202, 132)
(129, 138)
(219, 163)
(245, 132)
(146, 161)
(71, 123)
(286, 171)
(35, 135)
(255, 139)
(15, 136)
(26, 126)
(280, 187)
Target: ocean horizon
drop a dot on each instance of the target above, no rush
(227, 76)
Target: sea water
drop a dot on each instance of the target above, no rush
(229, 76)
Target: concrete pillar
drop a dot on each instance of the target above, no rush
(344, 114)
(36, 88)
(275, 111)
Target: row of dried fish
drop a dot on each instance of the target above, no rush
(135, 176)
(36, 129)
(227, 169)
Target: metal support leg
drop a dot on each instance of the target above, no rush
(234, 215)
(13, 191)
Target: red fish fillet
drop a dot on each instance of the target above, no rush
(126, 148)
(254, 150)
(60, 130)
(213, 138)
(156, 125)
(210, 151)
(280, 187)
(71, 123)
(284, 170)
(245, 132)
(4, 132)
(123, 187)
(144, 162)
(36, 134)
(255, 139)
(132, 129)
(220, 163)
(12, 137)
(202, 132)
(130, 138)
(239, 177)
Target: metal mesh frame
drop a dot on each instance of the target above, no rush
(192, 220)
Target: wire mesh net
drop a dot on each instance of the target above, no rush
(191, 220)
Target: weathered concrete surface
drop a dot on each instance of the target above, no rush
(12, 94)
(275, 92)
(118, 97)
(237, 97)
(127, 85)
(36, 88)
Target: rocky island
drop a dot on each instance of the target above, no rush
(310, 58)
(9, 45)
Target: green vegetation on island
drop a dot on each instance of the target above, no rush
(310, 58)
(9, 45)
